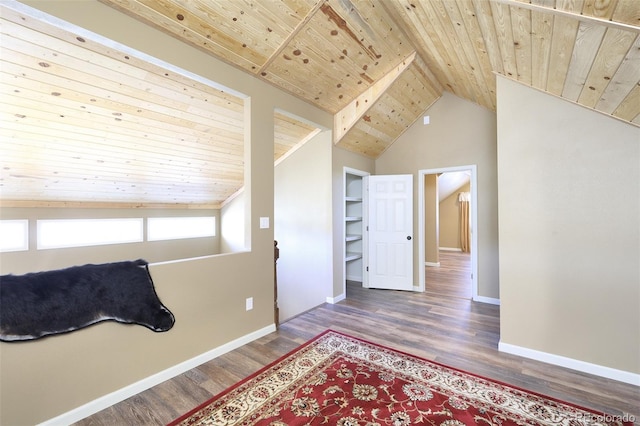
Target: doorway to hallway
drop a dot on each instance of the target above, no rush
(426, 225)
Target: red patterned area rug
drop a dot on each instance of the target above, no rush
(336, 379)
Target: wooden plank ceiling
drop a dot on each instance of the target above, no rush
(84, 123)
(375, 65)
(331, 52)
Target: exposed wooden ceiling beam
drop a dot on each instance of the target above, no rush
(345, 119)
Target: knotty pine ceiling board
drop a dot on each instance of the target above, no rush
(290, 133)
(345, 57)
(623, 80)
(506, 44)
(413, 20)
(85, 123)
(563, 39)
(329, 52)
(582, 58)
(456, 37)
(587, 61)
(613, 49)
(398, 108)
(532, 44)
(476, 49)
(455, 61)
(627, 12)
(628, 109)
(541, 27)
(243, 33)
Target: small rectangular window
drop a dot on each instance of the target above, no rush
(60, 233)
(14, 235)
(171, 228)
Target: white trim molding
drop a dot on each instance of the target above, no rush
(574, 364)
(489, 300)
(338, 298)
(108, 400)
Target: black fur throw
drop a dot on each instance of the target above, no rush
(44, 303)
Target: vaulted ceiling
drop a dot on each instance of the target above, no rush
(376, 65)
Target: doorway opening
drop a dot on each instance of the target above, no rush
(353, 229)
(458, 264)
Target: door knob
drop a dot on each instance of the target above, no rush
(408, 237)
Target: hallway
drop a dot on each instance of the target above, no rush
(452, 278)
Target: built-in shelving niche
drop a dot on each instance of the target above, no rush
(354, 225)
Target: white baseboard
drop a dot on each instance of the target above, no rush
(357, 278)
(108, 400)
(449, 249)
(574, 364)
(490, 300)
(338, 298)
(431, 263)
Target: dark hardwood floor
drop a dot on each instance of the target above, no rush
(439, 325)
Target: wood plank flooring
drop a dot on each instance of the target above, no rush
(438, 325)
(452, 278)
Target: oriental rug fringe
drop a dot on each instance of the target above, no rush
(336, 379)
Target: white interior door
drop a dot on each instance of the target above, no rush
(390, 232)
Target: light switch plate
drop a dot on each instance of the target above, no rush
(264, 223)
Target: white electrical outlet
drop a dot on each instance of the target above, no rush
(249, 303)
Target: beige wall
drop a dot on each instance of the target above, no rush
(450, 219)
(43, 379)
(460, 133)
(47, 377)
(569, 182)
(303, 221)
(431, 220)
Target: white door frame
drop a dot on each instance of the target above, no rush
(474, 224)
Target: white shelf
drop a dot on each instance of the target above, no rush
(352, 256)
(353, 237)
(353, 199)
(352, 218)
